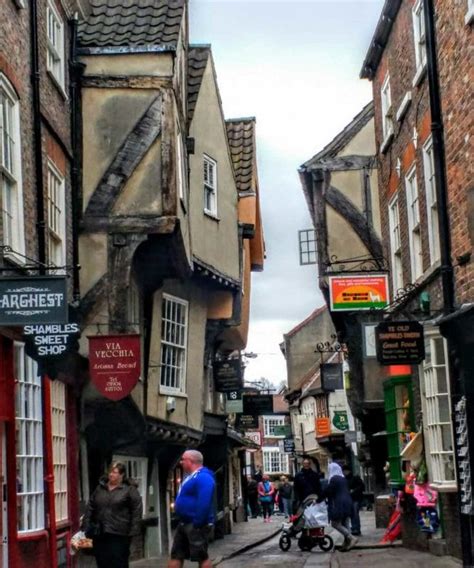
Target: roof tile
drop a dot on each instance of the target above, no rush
(241, 136)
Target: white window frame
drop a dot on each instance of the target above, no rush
(269, 423)
(29, 450)
(137, 470)
(308, 408)
(419, 38)
(59, 442)
(395, 244)
(469, 19)
(274, 460)
(55, 31)
(181, 176)
(174, 346)
(210, 185)
(386, 106)
(431, 201)
(11, 184)
(434, 371)
(414, 224)
(56, 217)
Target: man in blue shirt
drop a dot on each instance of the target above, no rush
(194, 507)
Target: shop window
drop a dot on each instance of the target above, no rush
(269, 423)
(59, 435)
(174, 340)
(29, 442)
(398, 399)
(274, 461)
(437, 424)
(137, 468)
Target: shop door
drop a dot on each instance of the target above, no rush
(3, 497)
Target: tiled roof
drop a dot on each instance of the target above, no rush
(198, 56)
(313, 315)
(122, 23)
(241, 135)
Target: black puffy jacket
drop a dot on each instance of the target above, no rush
(117, 511)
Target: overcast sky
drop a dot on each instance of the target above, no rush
(294, 65)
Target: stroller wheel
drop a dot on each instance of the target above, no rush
(285, 542)
(326, 543)
(305, 542)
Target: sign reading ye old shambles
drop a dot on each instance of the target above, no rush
(114, 364)
(400, 342)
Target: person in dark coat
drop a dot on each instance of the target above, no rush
(339, 504)
(252, 496)
(258, 475)
(307, 482)
(112, 516)
(356, 488)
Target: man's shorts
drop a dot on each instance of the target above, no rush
(190, 543)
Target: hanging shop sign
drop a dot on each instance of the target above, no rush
(228, 375)
(363, 292)
(400, 343)
(258, 404)
(282, 430)
(331, 376)
(33, 300)
(51, 340)
(288, 445)
(114, 364)
(340, 420)
(244, 421)
(234, 403)
(323, 427)
(256, 437)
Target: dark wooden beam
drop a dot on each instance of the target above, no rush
(346, 163)
(141, 223)
(126, 82)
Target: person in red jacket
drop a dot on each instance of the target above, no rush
(266, 493)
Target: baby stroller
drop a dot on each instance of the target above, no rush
(308, 526)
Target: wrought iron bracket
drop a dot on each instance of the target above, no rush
(333, 346)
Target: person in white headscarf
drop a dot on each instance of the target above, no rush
(339, 504)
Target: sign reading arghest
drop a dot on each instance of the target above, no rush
(400, 343)
(32, 300)
(114, 364)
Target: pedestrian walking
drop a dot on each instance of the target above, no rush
(356, 489)
(285, 495)
(194, 507)
(113, 515)
(339, 504)
(252, 496)
(307, 482)
(258, 475)
(266, 493)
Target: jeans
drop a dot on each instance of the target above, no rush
(355, 517)
(287, 505)
(342, 527)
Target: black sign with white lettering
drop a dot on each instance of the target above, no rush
(228, 375)
(33, 300)
(245, 421)
(289, 445)
(331, 376)
(51, 340)
(258, 404)
(400, 343)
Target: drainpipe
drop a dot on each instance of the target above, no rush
(447, 272)
(35, 81)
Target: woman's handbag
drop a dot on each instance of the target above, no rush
(94, 529)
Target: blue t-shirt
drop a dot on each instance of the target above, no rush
(195, 500)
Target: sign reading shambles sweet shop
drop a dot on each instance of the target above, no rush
(33, 300)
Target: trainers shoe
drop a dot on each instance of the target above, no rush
(352, 542)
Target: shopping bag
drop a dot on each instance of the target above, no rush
(316, 515)
(80, 542)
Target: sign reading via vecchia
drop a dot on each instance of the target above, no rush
(33, 300)
(114, 364)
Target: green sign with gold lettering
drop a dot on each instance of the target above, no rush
(340, 420)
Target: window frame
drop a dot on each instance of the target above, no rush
(181, 175)
(283, 461)
(387, 110)
(268, 429)
(395, 248)
(469, 19)
(308, 247)
(142, 480)
(432, 425)
(181, 388)
(12, 174)
(419, 39)
(58, 397)
(29, 424)
(414, 223)
(56, 52)
(431, 201)
(210, 187)
(56, 234)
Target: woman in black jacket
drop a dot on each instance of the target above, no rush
(112, 516)
(339, 504)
